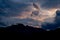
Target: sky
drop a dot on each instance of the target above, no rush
(29, 12)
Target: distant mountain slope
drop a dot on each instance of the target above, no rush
(22, 28)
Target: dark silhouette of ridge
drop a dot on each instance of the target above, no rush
(21, 28)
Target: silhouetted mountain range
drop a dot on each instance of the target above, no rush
(22, 28)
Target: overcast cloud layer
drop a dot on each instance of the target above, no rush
(23, 11)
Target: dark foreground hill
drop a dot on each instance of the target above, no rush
(22, 28)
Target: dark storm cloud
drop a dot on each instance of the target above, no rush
(24, 1)
(8, 8)
(1, 23)
(51, 4)
(13, 8)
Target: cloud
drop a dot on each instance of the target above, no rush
(23, 11)
(51, 4)
(24, 1)
(12, 9)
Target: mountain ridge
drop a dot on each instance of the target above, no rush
(22, 28)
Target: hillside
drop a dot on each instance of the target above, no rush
(21, 28)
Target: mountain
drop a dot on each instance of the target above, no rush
(21, 28)
(24, 29)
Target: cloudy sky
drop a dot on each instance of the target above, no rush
(29, 12)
